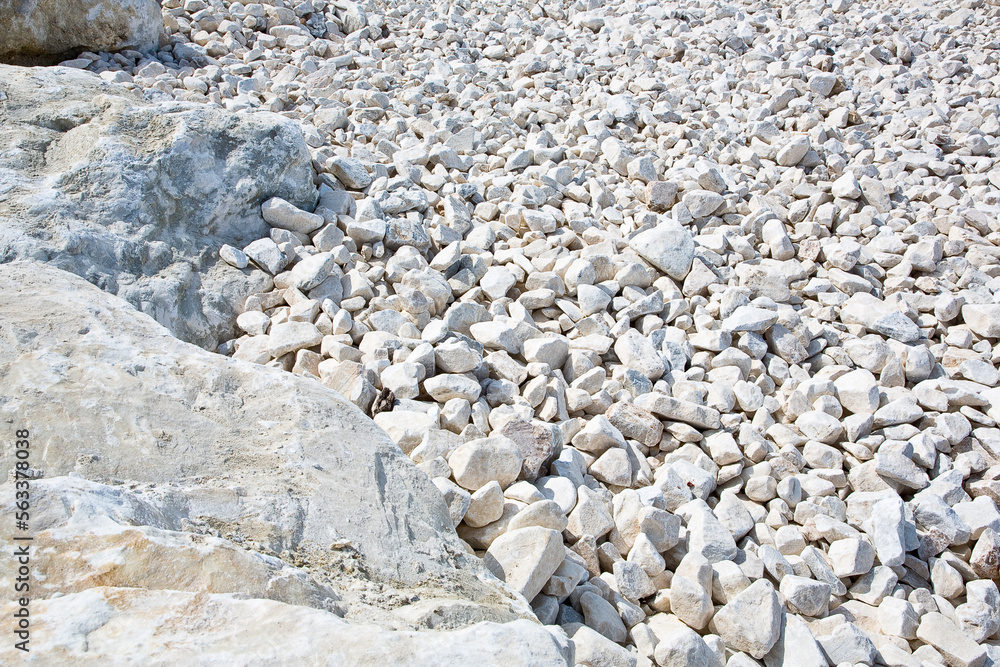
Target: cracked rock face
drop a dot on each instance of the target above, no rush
(137, 197)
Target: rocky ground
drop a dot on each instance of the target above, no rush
(688, 311)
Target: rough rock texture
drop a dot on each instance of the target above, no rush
(119, 626)
(137, 197)
(88, 535)
(270, 461)
(47, 31)
(708, 292)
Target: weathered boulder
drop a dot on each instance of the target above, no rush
(43, 32)
(271, 461)
(138, 197)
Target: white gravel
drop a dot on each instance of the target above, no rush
(709, 289)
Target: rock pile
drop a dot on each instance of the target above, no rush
(187, 507)
(689, 313)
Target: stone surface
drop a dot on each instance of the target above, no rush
(751, 621)
(46, 32)
(73, 205)
(105, 620)
(713, 328)
(478, 462)
(957, 648)
(668, 247)
(525, 558)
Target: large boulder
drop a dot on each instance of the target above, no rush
(238, 478)
(43, 32)
(138, 197)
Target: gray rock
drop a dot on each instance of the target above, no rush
(846, 187)
(44, 33)
(690, 602)
(590, 516)
(796, 646)
(146, 214)
(485, 506)
(900, 469)
(848, 643)
(805, 596)
(983, 319)
(597, 436)
(874, 586)
(455, 497)
(536, 444)
(283, 215)
(793, 152)
(898, 618)
(350, 172)
(979, 617)
(291, 336)
(857, 391)
(165, 616)
(750, 318)
(888, 531)
(682, 647)
(637, 352)
(680, 410)
(661, 195)
(932, 512)
(313, 270)
(822, 83)
(821, 569)
(266, 254)
(602, 617)
(635, 423)
(709, 537)
(444, 387)
(544, 513)
(702, 203)
(851, 557)
(593, 649)
(233, 256)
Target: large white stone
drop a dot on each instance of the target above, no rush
(667, 246)
(526, 558)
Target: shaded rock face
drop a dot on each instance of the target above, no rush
(137, 197)
(254, 458)
(43, 32)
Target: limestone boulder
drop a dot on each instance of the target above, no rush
(44, 32)
(271, 461)
(138, 197)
